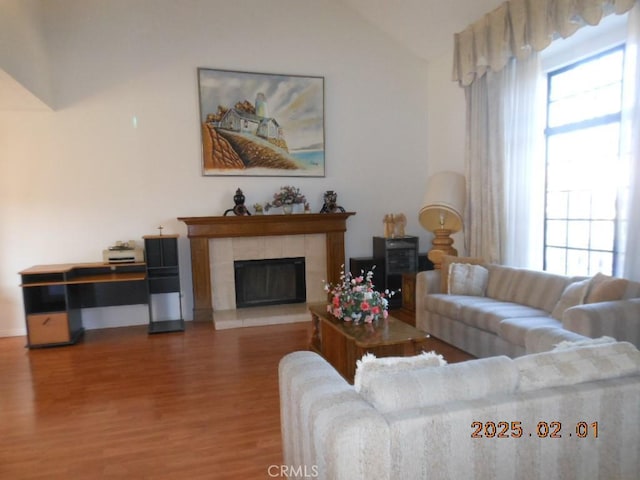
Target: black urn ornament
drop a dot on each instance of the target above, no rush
(239, 208)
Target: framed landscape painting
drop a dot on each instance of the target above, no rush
(261, 124)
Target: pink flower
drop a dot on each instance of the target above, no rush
(364, 306)
(385, 314)
(375, 310)
(337, 312)
(336, 301)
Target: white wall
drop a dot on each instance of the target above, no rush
(23, 50)
(446, 126)
(77, 179)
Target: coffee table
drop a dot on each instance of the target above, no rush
(343, 343)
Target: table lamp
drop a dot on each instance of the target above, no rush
(441, 213)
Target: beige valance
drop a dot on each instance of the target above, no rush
(517, 27)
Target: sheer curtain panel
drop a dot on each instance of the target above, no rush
(629, 209)
(504, 166)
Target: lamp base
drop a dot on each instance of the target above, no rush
(442, 245)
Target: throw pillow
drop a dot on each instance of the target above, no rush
(467, 279)
(447, 260)
(577, 365)
(574, 294)
(603, 288)
(462, 381)
(369, 367)
(566, 344)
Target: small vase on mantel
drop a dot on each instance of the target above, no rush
(287, 209)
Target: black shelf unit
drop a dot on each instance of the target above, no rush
(163, 277)
(398, 255)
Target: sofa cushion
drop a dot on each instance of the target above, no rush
(370, 367)
(446, 261)
(488, 315)
(577, 365)
(573, 294)
(514, 330)
(449, 305)
(431, 386)
(603, 288)
(543, 339)
(528, 287)
(467, 279)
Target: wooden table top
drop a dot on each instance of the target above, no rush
(389, 331)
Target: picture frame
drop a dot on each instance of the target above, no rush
(261, 124)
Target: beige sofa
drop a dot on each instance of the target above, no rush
(488, 418)
(524, 311)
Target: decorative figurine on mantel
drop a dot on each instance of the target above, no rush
(399, 224)
(394, 225)
(388, 225)
(239, 209)
(331, 203)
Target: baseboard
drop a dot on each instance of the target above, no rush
(13, 332)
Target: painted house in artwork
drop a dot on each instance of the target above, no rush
(269, 128)
(239, 121)
(245, 122)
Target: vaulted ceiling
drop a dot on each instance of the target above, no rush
(425, 27)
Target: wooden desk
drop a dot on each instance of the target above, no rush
(343, 343)
(54, 296)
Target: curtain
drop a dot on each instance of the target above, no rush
(629, 209)
(495, 60)
(505, 182)
(518, 28)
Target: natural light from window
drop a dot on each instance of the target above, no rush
(583, 178)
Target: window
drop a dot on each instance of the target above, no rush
(582, 174)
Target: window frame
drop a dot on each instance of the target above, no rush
(602, 120)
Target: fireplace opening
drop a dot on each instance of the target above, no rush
(273, 281)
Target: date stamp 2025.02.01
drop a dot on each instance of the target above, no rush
(543, 429)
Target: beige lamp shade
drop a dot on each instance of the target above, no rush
(444, 201)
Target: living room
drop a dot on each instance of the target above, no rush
(113, 93)
(101, 140)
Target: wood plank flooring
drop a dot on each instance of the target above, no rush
(122, 404)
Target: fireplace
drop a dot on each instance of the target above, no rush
(216, 242)
(273, 281)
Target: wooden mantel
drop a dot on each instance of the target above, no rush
(201, 229)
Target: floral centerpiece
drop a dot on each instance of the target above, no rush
(287, 195)
(354, 298)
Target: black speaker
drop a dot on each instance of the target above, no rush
(365, 264)
(424, 263)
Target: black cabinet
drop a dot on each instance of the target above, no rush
(358, 265)
(398, 256)
(163, 277)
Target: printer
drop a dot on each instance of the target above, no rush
(123, 252)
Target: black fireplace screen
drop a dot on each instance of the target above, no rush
(272, 281)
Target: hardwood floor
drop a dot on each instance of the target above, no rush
(122, 404)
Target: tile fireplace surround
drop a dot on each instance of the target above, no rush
(217, 241)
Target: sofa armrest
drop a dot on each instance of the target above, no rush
(328, 430)
(426, 282)
(619, 319)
